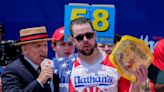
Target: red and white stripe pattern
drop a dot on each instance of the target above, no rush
(92, 89)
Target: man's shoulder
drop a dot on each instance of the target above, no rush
(14, 66)
(69, 59)
(14, 63)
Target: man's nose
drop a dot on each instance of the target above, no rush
(106, 47)
(85, 38)
(67, 46)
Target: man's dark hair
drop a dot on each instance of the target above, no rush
(54, 43)
(80, 20)
(117, 38)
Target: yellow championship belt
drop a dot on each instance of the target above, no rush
(129, 53)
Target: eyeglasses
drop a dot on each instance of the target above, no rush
(88, 35)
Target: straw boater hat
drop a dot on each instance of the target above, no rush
(34, 34)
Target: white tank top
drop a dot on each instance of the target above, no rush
(98, 77)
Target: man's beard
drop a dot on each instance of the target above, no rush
(89, 51)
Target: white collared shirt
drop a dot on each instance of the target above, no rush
(35, 66)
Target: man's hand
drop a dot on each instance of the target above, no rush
(141, 75)
(45, 74)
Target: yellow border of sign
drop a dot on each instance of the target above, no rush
(132, 77)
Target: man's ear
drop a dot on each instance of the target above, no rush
(53, 47)
(23, 47)
(94, 35)
(73, 40)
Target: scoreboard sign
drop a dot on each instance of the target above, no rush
(101, 16)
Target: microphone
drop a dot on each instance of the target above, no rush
(48, 81)
(47, 62)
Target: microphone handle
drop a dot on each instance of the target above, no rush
(48, 81)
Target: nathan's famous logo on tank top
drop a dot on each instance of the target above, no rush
(93, 81)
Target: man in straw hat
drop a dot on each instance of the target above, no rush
(24, 74)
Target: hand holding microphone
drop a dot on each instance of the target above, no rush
(46, 73)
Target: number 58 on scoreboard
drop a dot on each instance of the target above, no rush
(101, 16)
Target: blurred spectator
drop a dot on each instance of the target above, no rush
(63, 60)
(109, 47)
(61, 48)
(8, 52)
(159, 63)
(159, 55)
